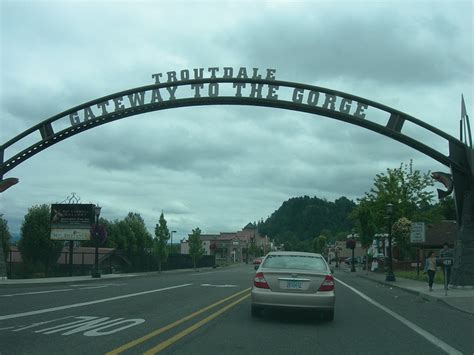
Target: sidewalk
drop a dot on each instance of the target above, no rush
(460, 298)
(76, 279)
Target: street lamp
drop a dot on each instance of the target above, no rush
(96, 272)
(353, 269)
(390, 275)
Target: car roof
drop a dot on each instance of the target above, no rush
(297, 253)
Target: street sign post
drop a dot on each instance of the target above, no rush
(417, 232)
(71, 221)
(417, 236)
(447, 262)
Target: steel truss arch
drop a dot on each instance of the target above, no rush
(392, 129)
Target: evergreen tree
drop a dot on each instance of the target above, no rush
(5, 236)
(196, 249)
(162, 235)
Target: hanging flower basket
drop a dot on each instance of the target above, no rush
(351, 244)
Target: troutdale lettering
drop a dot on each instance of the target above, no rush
(172, 88)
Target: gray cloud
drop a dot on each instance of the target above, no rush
(380, 45)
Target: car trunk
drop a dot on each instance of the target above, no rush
(297, 281)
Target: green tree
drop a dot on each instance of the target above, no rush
(142, 239)
(319, 244)
(35, 245)
(364, 217)
(407, 189)
(5, 236)
(196, 249)
(446, 208)
(161, 241)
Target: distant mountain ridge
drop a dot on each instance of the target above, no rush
(301, 219)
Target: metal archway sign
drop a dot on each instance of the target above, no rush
(253, 87)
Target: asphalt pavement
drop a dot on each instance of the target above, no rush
(460, 298)
(207, 311)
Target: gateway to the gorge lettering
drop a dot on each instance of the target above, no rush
(222, 82)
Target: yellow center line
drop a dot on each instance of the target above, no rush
(175, 338)
(171, 325)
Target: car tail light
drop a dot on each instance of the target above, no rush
(328, 284)
(259, 281)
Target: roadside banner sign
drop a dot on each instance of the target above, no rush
(417, 232)
(71, 221)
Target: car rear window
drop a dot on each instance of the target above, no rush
(300, 262)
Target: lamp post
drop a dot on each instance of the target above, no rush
(353, 269)
(96, 272)
(390, 275)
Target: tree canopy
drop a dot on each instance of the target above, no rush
(128, 234)
(35, 245)
(409, 191)
(405, 188)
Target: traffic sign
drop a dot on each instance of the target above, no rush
(448, 261)
(417, 232)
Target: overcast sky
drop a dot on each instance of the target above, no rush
(220, 167)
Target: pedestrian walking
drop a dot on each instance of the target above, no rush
(430, 268)
(446, 253)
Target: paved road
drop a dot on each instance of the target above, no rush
(209, 313)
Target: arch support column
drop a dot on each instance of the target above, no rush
(463, 270)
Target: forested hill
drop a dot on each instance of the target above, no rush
(304, 218)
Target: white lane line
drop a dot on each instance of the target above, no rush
(428, 336)
(37, 292)
(82, 285)
(54, 309)
(92, 287)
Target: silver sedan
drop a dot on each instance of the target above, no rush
(294, 280)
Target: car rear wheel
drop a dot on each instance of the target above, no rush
(257, 311)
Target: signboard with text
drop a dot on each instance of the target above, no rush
(417, 232)
(71, 221)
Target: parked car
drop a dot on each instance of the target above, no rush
(294, 280)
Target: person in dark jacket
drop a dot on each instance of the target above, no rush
(443, 254)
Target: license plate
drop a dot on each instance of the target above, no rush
(293, 284)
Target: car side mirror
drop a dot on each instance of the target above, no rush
(256, 267)
(332, 270)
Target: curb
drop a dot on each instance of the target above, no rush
(419, 294)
